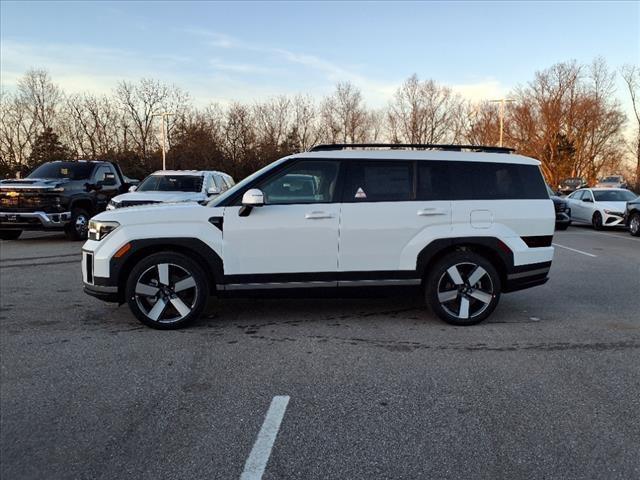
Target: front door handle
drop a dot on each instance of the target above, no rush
(428, 212)
(317, 215)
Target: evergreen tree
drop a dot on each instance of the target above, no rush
(46, 148)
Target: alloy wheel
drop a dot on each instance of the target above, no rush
(465, 290)
(81, 225)
(166, 293)
(634, 225)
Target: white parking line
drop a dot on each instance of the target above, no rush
(627, 237)
(574, 250)
(259, 456)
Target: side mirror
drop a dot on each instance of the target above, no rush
(92, 186)
(213, 191)
(251, 198)
(133, 188)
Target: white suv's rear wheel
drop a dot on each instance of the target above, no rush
(167, 290)
(463, 288)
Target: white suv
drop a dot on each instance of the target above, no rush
(463, 224)
(170, 186)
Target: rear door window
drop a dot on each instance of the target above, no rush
(378, 182)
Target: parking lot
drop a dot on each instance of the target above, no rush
(548, 387)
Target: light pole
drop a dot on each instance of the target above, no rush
(502, 101)
(164, 116)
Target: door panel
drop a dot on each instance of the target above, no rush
(281, 239)
(296, 231)
(373, 235)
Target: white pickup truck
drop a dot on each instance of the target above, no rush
(170, 186)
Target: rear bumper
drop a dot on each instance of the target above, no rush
(33, 220)
(526, 276)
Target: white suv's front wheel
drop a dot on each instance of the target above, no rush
(463, 288)
(167, 290)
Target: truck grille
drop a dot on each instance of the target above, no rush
(560, 207)
(28, 202)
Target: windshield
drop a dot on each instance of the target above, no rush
(70, 170)
(171, 183)
(613, 195)
(242, 183)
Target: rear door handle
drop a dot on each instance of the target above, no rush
(317, 215)
(428, 212)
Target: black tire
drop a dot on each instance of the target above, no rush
(440, 284)
(78, 226)
(634, 224)
(145, 288)
(596, 221)
(564, 226)
(10, 234)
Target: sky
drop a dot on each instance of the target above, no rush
(221, 51)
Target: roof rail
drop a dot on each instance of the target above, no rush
(325, 147)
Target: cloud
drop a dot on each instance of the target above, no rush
(489, 89)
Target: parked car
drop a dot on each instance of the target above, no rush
(462, 226)
(167, 186)
(613, 181)
(570, 185)
(58, 196)
(632, 217)
(600, 207)
(563, 212)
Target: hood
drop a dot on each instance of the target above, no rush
(613, 206)
(159, 213)
(33, 183)
(165, 197)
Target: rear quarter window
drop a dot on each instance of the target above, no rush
(479, 181)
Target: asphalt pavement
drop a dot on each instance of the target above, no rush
(548, 387)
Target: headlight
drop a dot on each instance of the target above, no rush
(98, 230)
(112, 205)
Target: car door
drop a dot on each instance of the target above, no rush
(294, 236)
(381, 215)
(575, 204)
(588, 206)
(109, 186)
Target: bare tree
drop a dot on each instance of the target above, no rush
(304, 130)
(41, 96)
(344, 116)
(425, 112)
(569, 119)
(17, 131)
(141, 101)
(631, 76)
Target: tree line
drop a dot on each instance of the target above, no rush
(567, 116)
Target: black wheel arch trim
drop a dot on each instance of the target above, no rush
(192, 247)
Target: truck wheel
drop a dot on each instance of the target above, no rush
(463, 288)
(10, 234)
(78, 226)
(167, 290)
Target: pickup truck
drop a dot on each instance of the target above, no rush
(60, 195)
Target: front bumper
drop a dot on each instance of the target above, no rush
(33, 220)
(610, 220)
